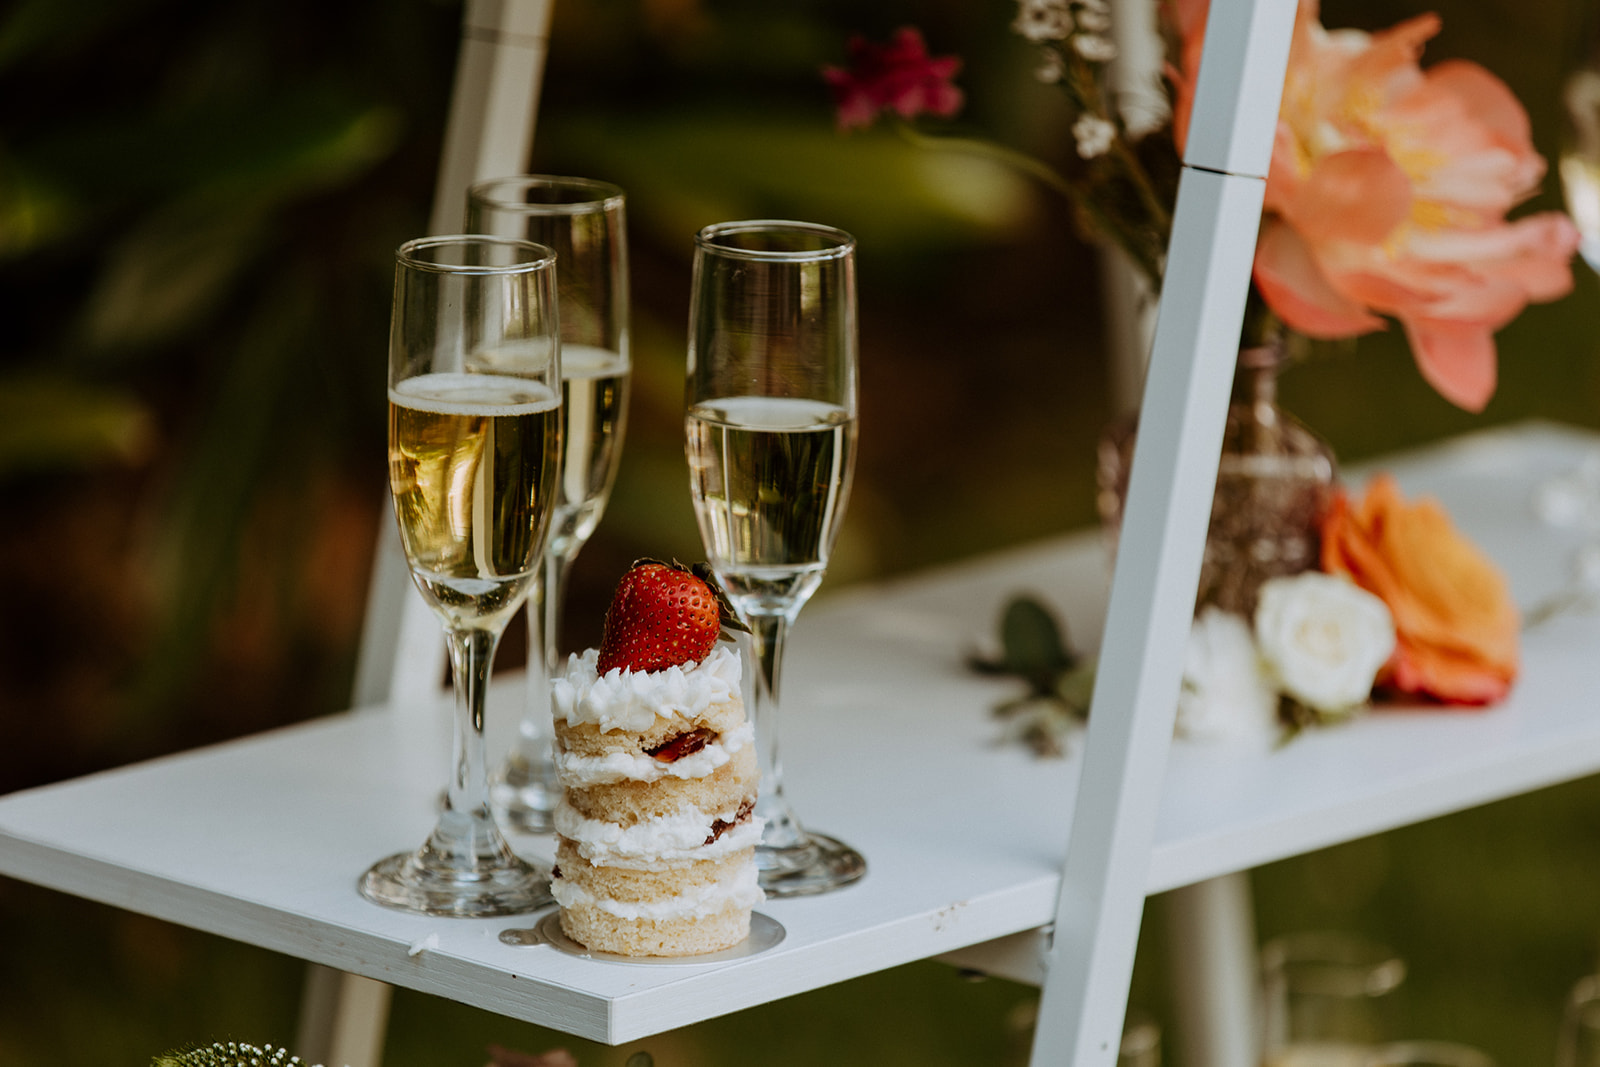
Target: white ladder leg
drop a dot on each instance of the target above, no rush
(489, 134)
(1105, 876)
(1211, 964)
(342, 1018)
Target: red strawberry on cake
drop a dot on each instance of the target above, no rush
(656, 831)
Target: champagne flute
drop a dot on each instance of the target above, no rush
(1426, 1054)
(584, 222)
(771, 432)
(474, 443)
(1580, 145)
(1325, 998)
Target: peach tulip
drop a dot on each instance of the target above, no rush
(1387, 196)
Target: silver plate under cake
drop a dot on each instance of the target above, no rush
(765, 932)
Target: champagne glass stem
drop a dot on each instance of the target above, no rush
(526, 785)
(553, 601)
(471, 657)
(767, 633)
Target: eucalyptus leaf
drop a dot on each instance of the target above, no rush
(1076, 687)
(1032, 641)
(1033, 648)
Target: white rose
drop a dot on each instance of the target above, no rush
(1226, 694)
(1324, 638)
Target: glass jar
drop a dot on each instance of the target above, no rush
(1274, 481)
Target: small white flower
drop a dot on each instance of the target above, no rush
(1093, 20)
(1043, 20)
(1226, 694)
(1094, 135)
(1323, 638)
(1052, 68)
(1093, 48)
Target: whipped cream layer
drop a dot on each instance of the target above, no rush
(631, 700)
(739, 889)
(657, 844)
(578, 772)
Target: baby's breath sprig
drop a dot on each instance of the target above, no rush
(1071, 36)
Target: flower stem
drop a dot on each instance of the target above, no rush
(1048, 175)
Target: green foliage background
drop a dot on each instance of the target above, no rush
(198, 203)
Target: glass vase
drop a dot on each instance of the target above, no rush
(1274, 481)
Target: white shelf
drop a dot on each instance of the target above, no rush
(888, 744)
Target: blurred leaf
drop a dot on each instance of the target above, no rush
(1059, 686)
(49, 26)
(1075, 688)
(683, 171)
(243, 444)
(311, 138)
(181, 259)
(1031, 646)
(168, 272)
(31, 213)
(50, 422)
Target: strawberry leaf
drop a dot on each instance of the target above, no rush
(730, 618)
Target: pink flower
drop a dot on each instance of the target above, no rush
(899, 75)
(1387, 196)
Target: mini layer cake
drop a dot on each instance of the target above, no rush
(655, 855)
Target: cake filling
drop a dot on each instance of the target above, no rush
(582, 771)
(686, 836)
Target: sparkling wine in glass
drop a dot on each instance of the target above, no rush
(771, 433)
(474, 449)
(584, 222)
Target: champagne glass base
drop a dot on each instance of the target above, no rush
(524, 795)
(821, 864)
(524, 811)
(408, 882)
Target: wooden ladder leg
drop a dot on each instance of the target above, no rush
(1211, 961)
(343, 1018)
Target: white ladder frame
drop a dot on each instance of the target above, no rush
(494, 104)
(1220, 193)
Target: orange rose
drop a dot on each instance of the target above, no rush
(1453, 616)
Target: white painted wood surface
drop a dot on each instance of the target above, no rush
(888, 738)
(1158, 565)
(1240, 83)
